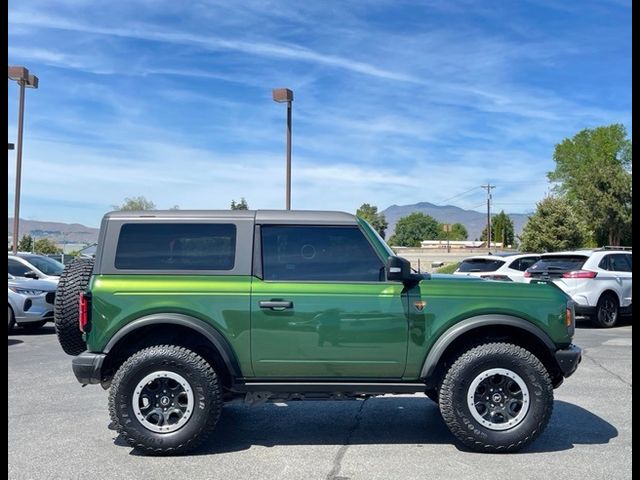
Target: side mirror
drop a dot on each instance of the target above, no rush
(31, 274)
(399, 270)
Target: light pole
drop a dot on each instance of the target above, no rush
(24, 79)
(282, 95)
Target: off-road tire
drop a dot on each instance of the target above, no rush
(203, 382)
(455, 389)
(74, 279)
(607, 311)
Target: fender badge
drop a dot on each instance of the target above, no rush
(420, 305)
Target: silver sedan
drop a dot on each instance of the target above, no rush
(30, 302)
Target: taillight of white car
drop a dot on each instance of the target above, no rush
(580, 274)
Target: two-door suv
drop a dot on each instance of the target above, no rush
(183, 311)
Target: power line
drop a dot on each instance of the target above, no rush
(475, 206)
(456, 196)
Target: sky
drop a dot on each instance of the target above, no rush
(395, 101)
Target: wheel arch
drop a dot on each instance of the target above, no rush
(173, 328)
(485, 328)
(609, 291)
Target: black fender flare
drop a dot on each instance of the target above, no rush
(471, 323)
(208, 331)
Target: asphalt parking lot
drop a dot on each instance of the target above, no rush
(58, 430)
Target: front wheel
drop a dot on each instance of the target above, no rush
(11, 320)
(496, 397)
(165, 400)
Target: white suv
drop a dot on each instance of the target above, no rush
(506, 267)
(599, 281)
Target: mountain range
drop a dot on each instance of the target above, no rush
(58, 232)
(474, 222)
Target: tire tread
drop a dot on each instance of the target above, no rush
(74, 279)
(452, 378)
(194, 361)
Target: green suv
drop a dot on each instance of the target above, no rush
(183, 311)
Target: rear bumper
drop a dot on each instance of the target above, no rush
(87, 367)
(568, 359)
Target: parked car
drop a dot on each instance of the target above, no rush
(509, 267)
(599, 281)
(31, 265)
(31, 302)
(182, 311)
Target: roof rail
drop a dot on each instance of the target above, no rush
(612, 247)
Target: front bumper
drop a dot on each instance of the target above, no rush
(585, 310)
(87, 367)
(568, 359)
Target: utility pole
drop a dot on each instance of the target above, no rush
(282, 95)
(488, 187)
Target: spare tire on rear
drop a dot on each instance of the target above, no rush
(74, 279)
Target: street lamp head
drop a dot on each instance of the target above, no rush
(282, 95)
(22, 75)
(18, 74)
(32, 82)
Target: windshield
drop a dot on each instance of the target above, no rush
(480, 265)
(46, 265)
(559, 262)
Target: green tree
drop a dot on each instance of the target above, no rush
(553, 226)
(26, 243)
(414, 228)
(45, 246)
(241, 205)
(593, 171)
(376, 220)
(501, 229)
(135, 203)
(458, 232)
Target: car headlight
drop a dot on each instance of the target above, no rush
(27, 291)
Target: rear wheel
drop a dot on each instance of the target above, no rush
(74, 279)
(607, 311)
(165, 400)
(496, 397)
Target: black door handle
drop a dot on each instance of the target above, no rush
(275, 304)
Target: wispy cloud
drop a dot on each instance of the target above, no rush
(395, 102)
(213, 43)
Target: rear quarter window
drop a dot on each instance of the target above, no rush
(176, 246)
(480, 265)
(523, 263)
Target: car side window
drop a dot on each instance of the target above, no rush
(619, 262)
(176, 246)
(17, 269)
(318, 253)
(604, 263)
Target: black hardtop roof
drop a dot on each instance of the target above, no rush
(260, 216)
